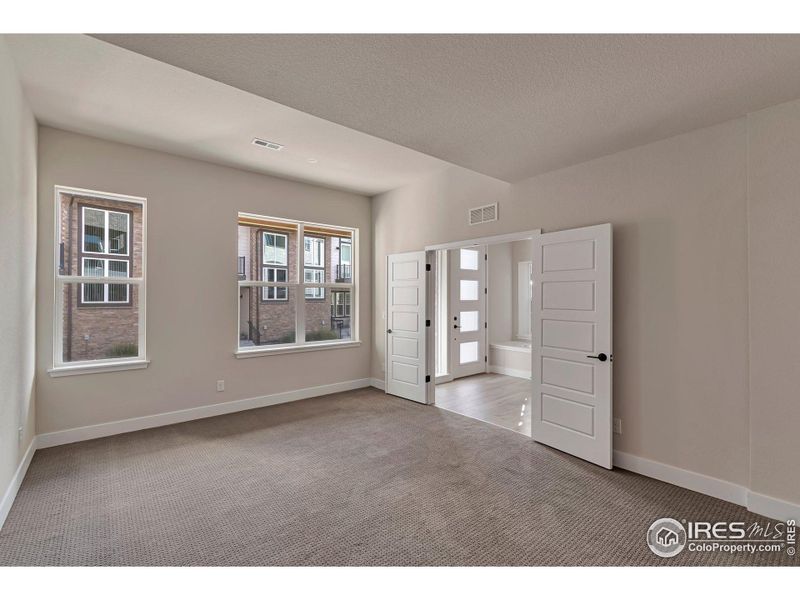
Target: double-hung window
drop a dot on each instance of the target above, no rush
(275, 259)
(99, 280)
(295, 299)
(314, 266)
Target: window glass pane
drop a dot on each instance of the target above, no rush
(117, 233)
(266, 323)
(469, 289)
(468, 320)
(99, 332)
(468, 352)
(94, 223)
(469, 259)
(328, 321)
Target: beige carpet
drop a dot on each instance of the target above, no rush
(356, 478)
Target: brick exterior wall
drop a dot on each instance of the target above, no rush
(93, 332)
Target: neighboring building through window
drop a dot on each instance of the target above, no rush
(99, 241)
(316, 303)
(275, 258)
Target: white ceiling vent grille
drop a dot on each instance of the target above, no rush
(483, 214)
(267, 144)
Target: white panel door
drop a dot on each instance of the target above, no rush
(405, 326)
(571, 342)
(467, 322)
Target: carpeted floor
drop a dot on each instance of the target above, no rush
(356, 478)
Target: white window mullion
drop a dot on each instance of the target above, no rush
(300, 294)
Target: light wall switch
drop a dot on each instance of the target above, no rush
(618, 426)
(221, 385)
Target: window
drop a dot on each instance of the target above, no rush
(295, 299)
(275, 245)
(107, 293)
(274, 252)
(274, 275)
(314, 266)
(341, 304)
(99, 279)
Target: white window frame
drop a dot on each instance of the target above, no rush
(105, 262)
(60, 368)
(106, 213)
(299, 299)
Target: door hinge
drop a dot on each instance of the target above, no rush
(427, 378)
(427, 322)
(485, 325)
(485, 290)
(427, 267)
(485, 359)
(485, 257)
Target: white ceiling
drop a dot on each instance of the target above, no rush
(82, 84)
(507, 106)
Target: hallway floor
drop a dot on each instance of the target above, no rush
(497, 399)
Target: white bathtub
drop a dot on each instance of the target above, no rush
(512, 357)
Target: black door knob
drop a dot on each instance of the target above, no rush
(602, 357)
(388, 331)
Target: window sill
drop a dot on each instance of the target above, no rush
(310, 347)
(108, 367)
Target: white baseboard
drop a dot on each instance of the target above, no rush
(766, 506)
(718, 488)
(377, 383)
(79, 434)
(772, 507)
(13, 487)
(508, 371)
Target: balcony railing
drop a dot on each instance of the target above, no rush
(344, 273)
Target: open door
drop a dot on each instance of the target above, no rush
(406, 355)
(467, 322)
(571, 342)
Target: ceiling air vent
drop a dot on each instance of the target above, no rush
(267, 144)
(483, 214)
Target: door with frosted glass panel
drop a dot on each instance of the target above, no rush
(467, 322)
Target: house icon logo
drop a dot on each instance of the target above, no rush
(666, 537)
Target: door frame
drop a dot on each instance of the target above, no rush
(430, 252)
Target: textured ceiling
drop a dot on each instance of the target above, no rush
(506, 106)
(82, 84)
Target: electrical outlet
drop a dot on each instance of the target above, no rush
(19, 435)
(618, 426)
(220, 385)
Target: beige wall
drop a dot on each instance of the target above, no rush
(774, 236)
(680, 290)
(499, 279)
(17, 270)
(192, 324)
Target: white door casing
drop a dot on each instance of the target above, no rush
(467, 320)
(406, 355)
(571, 342)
